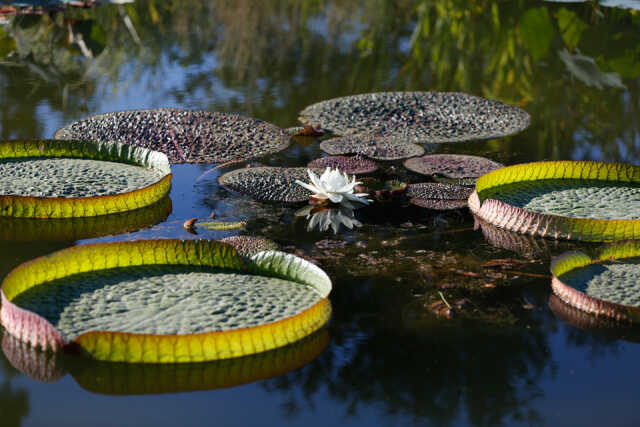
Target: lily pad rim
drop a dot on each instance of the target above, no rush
(490, 209)
(163, 181)
(580, 300)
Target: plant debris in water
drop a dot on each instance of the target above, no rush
(432, 117)
(373, 147)
(184, 136)
(268, 183)
(455, 166)
(351, 165)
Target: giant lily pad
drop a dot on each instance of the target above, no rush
(60, 229)
(453, 166)
(164, 301)
(351, 165)
(606, 285)
(372, 147)
(185, 136)
(269, 183)
(64, 179)
(432, 117)
(135, 378)
(590, 201)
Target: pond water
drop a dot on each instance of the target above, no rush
(510, 355)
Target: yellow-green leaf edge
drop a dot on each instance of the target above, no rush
(70, 207)
(149, 348)
(575, 298)
(520, 220)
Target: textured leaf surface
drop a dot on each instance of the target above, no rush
(417, 116)
(372, 147)
(452, 165)
(269, 183)
(591, 201)
(185, 136)
(607, 284)
(164, 301)
(349, 165)
(65, 179)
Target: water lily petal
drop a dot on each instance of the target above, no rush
(309, 187)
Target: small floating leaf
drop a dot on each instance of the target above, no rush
(269, 183)
(455, 166)
(351, 165)
(185, 136)
(432, 117)
(372, 147)
(220, 225)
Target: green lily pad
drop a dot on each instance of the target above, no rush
(185, 136)
(171, 300)
(454, 166)
(269, 183)
(432, 117)
(64, 179)
(353, 165)
(607, 284)
(372, 147)
(591, 201)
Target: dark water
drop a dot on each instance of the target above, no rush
(505, 357)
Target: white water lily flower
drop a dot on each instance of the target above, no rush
(335, 186)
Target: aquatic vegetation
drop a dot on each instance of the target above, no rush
(452, 166)
(438, 196)
(589, 201)
(268, 183)
(106, 300)
(383, 191)
(250, 245)
(376, 148)
(335, 187)
(351, 165)
(185, 136)
(606, 284)
(66, 179)
(220, 225)
(430, 117)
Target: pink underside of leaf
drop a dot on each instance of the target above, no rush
(29, 327)
(29, 361)
(584, 302)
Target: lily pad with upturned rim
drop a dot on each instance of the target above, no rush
(351, 165)
(186, 136)
(373, 147)
(67, 179)
(148, 301)
(607, 284)
(269, 183)
(453, 166)
(590, 201)
(432, 117)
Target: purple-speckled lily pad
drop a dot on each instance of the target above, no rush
(455, 166)
(372, 147)
(269, 183)
(184, 136)
(438, 196)
(350, 165)
(432, 117)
